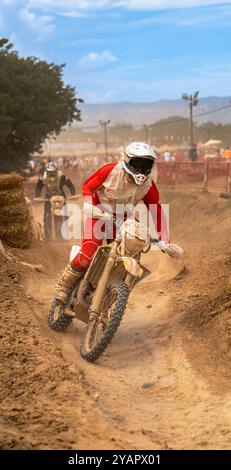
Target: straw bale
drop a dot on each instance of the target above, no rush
(15, 220)
(11, 181)
(10, 197)
(13, 213)
(17, 234)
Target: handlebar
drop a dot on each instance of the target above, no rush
(69, 198)
(40, 199)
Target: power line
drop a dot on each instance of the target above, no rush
(195, 116)
(214, 111)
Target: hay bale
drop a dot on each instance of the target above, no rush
(17, 235)
(13, 213)
(10, 197)
(11, 181)
(15, 221)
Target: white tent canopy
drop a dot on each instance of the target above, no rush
(212, 143)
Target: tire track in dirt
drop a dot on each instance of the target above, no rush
(145, 386)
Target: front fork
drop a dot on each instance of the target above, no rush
(102, 285)
(129, 278)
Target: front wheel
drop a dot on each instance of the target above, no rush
(58, 221)
(47, 222)
(101, 328)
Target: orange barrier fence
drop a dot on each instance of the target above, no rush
(215, 176)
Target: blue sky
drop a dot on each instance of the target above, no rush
(127, 50)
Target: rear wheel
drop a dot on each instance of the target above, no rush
(57, 320)
(47, 223)
(101, 329)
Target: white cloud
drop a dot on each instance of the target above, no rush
(216, 72)
(115, 89)
(96, 60)
(165, 4)
(72, 14)
(8, 2)
(129, 83)
(76, 5)
(72, 4)
(220, 14)
(41, 24)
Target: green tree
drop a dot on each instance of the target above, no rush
(34, 102)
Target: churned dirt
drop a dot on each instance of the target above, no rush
(165, 380)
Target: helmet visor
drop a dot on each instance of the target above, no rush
(141, 165)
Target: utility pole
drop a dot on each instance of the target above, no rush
(104, 125)
(205, 125)
(193, 101)
(146, 128)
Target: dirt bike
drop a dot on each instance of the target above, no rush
(53, 218)
(100, 298)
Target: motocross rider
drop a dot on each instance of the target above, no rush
(53, 181)
(123, 182)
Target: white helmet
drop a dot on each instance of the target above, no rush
(138, 161)
(52, 171)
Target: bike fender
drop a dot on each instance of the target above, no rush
(57, 212)
(132, 266)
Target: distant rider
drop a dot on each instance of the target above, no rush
(54, 182)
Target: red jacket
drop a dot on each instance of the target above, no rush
(93, 184)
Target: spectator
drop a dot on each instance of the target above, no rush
(192, 155)
(43, 166)
(65, 163)
(227, 154)
(167, 156)
(218, 154)
(75, 163)
(60, 162)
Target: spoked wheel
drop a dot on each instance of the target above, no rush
(57, 320)
(47, 226)
(101, 328)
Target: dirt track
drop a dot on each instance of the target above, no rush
(164, 382)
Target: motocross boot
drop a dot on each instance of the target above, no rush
(65, 286)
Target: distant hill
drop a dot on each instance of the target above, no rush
(148, 113)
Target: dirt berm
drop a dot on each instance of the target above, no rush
(165, 380)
